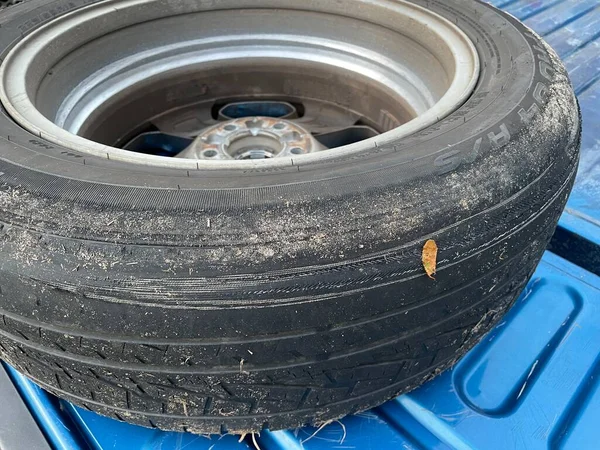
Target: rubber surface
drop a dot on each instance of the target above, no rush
(305, 309)
(572, 28)
(524, 386)
(7, 3)
(530, 384)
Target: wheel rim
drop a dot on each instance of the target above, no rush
(95, 77)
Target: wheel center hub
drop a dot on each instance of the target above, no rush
(252, 138)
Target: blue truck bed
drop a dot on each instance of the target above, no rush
(532, 383)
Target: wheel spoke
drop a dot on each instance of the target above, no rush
(322, 117)
(187, 122)
(346, 136)
(158, 143)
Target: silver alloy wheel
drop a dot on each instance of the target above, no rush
(91, 78)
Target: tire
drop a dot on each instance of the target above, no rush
(7, 3)
(249, 300)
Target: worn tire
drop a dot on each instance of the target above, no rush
(275, 300)
(7, 3)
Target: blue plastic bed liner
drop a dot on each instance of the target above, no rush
(532, 383)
